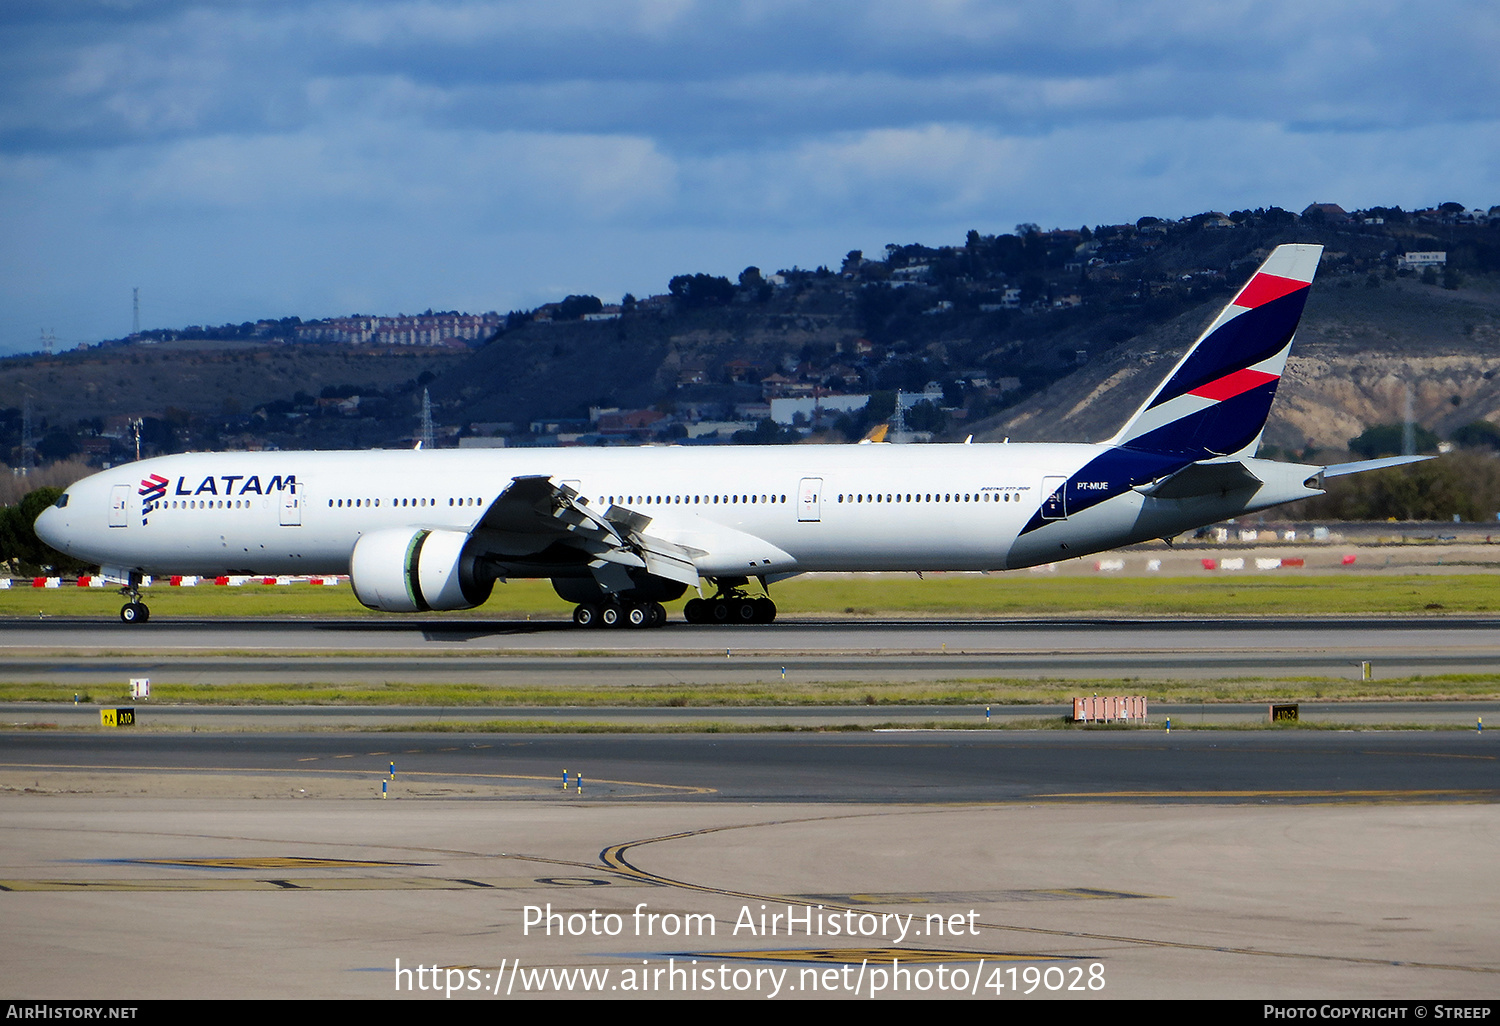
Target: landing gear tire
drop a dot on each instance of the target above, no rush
(586, 615)
(733, 609)
(637, 616)
(658, 614)
(609, 616)
(134, 612)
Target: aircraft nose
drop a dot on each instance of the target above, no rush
(51, 528)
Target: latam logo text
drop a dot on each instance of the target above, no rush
(232, 484)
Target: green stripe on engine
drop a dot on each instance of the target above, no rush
(413, 583)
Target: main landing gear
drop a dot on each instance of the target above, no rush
(620, 614)
(730, 606)
(134, 611)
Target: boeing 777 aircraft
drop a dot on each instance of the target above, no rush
(620, 531)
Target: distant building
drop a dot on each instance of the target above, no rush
(1421, 261)
(419, 330)
(812, 409)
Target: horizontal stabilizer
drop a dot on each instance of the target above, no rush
(1197, 479)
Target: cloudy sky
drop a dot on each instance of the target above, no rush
(262, 158)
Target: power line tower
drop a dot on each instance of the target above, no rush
(135, 320)
(426, 419)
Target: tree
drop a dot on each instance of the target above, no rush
(58, 445)
(1481, 434)
(1463, 483)
(754, 286)
(766, 432)
(574, 307)
(1389, 440)
(925, 416)
(18, 538)
(699, 290)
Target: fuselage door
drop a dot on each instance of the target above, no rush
(1055, 505)
(810, 500)
(291, 508)
(119, 498)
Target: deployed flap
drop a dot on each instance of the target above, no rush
(1203, 478)
(674, 562)
(535, 508)
(663, 558)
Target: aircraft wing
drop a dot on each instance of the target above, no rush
(535, 516)
(1208, 477)
(1360, 466)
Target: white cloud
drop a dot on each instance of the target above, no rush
(291, 157)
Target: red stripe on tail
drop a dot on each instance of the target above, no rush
(1265, 287)
(1231, 385)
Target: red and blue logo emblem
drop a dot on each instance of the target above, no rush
(153, 488)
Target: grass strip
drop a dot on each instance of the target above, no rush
(957, 595)
(972, 692)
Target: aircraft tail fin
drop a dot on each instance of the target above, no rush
(1216, 400)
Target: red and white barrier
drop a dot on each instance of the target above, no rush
(174, 581)
(1109, 708)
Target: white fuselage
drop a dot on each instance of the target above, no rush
(757, 511)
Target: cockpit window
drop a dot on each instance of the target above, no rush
(62, 500)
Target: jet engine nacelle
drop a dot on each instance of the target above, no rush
(409, 570)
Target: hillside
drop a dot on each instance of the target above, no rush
(1053, 335)
(1357, 349)
(202, 394)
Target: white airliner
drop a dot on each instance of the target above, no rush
(620, 531)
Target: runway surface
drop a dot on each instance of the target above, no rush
(1202, 865)
(901, 766)
(505, 652)
(1285, 864)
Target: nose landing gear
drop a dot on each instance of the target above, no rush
(135, 611)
